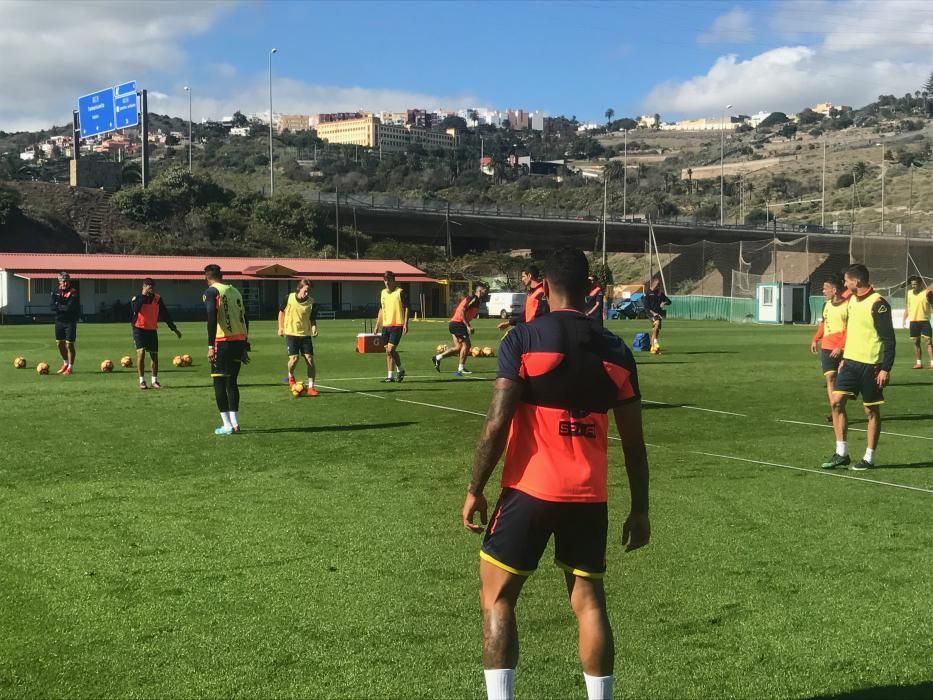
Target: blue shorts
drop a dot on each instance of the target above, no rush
(920, 328)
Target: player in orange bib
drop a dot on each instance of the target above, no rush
(831, 333)
(461, 328)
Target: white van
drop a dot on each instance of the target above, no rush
(505, 304)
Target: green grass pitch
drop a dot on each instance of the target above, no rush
(320, 554)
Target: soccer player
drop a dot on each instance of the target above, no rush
(866, 365)
(655, 302)
(393, 320)
(831, 333)
(461, 328)
(298, 324)
(536, 303)
(919, 307)
(227, 345)
(147, 309)
(558, 378)
(594, 300)
(66, 305)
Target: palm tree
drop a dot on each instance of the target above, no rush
(610, 113)
(474, 116)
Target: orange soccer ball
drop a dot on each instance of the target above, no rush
(42, 368)
(475, 351)
(177, 361)
(19, 362)
(297, 389)
(487, 352)
(186, 360)
(106, 366)
(126, 361)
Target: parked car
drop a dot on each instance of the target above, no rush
(505, 304)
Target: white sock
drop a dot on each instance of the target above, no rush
(69, 365)
(234, 419)
(155, 379)
(225, 417)
(842, 448)
(500, 683)
(390, 375)
(918, 363)
(598, 687)
(870, 455)
(460, 368)
(310, 383)
(142, 380)
(438, 357)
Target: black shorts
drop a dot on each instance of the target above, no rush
(920, 328)
(459, 331)
(228, 357)
(391, 335)
(66, 331)
(856, 378)
(655, 318)
(146, 340)
(521, 526)
(299, 345)
(830, 364)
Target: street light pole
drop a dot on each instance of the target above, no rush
(188, 90)
(823, 186)
(722, 166)
(624, 170)
(271, 171)
(882, 187)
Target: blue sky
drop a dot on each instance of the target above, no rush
(673, 57)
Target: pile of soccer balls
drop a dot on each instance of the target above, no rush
(182, 360)
(19, 363)
(297, 389)
(482, 352)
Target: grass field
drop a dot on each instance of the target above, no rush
(320, 554)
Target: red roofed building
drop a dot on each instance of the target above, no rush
(343, 286)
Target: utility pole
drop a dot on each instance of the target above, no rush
(271, 171)
(722, 166)
(144, 169)
(356, 234)
(624, 170)
(188, 90)
(450, 246)
(882, 187)
(337, 218)
(823, 193)
(605, 198)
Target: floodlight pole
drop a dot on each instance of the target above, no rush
(188, 90)
(271, 170)
(624, 170)
(722, 166)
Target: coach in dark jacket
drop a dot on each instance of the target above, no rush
(66, 306)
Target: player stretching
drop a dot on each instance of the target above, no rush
(66, 305)
(831, 333)
(147, 309)
(227, 330)
(655, 302)
(557, 380)
(393, 320)
(461, 329)
(536, 303)
(919, 307)
(866, 364)
(298, 323)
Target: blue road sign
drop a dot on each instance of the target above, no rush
(124, 105)
(95, 112)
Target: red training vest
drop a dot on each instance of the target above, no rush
(148, 316)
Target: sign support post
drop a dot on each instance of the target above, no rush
(145, 138)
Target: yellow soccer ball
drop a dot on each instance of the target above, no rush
(42, 368)
(441, 348)
(186, 360)
(297, 389)
(106, 366)
(177, 361)
(655, 349)
(126, 361)
(487, 351)
(19, 363)
(475, 351)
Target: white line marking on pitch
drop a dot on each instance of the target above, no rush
(350, 391)
(861, 430)
(359, 379)
(815, 471)
(695, 408)
(443, 408)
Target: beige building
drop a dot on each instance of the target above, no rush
(371, 133)
(293, 122)
(822, 108)
(710, 124)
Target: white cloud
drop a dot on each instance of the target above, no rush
(734, 27)
(856, 51)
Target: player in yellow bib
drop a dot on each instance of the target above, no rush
(866, 365)
(298, 325)
(392, 320)
(919, 308)
(227, 346)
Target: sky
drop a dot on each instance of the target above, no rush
(679, 59)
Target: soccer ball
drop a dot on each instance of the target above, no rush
(106, 366)
(177, 361)
(441, 348)
(19, 362)
(487, 351)
(475, 351)
(297, 389)
(126, 361)
(186, 360)
(655, 349)
(42, 368)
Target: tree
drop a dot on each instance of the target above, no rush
(808, 116)
(773, 119)
(610, 113)
(473, 116)
(10, 201)
(239, 119)
(452, 121)
(928, 85)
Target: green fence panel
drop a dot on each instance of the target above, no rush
(696, 307)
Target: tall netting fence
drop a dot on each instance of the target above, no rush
(700, 275)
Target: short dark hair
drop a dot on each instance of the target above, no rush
(305, 283)
(836, 282)
(914, 278)
(389, 275)
(567, 271)
(149, 282)
(858, 272)
(533, 270)
(213, 272)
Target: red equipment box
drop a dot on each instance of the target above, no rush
(369, 342)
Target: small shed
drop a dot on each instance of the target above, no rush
(779, 302)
